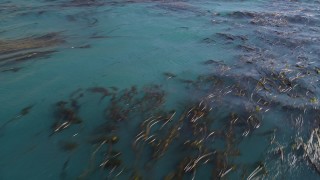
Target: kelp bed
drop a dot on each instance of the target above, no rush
(13, 52)
(203, 134)
(251, 115)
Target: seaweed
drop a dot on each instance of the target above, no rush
(100, 90)
(23, 112)
(225, 107)
(19, 58)
(44, 41)
(14, 69)
(84, 3)
(17, 51)
(68, 146)
(169, 75)
(65, 116)
(65, 166)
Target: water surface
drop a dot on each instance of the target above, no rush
(148, 89)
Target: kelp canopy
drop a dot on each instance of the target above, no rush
(142, 89)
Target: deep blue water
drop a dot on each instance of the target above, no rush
(142, 89)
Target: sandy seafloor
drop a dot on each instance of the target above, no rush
(218, 89)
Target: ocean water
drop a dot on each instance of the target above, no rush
(143, 89)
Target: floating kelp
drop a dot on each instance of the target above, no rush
(231, 37)
(65, 166)
(68, 146)
(269, 19)
(204, 137)
(15, 69)
(239, 118)
(17, 51)
(274, 18)
(242, 14)
(211, 61)
(259, 169)
(208, 40)
(15, 59)
(247, 48)
(84, 46)
(45, 41)
(130, 100)
(104, 139)
(84, 3)
(20, 115)
(65, 115)
(100, 90)
(169, 75)
(178, 6)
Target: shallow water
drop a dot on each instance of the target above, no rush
(239, 80)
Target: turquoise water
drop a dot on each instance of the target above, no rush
(219, 89)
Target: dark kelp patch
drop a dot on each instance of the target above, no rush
(66, 114)
(14, 52)
(23, 112)
(45, 41)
